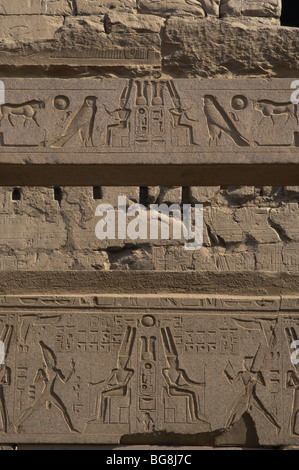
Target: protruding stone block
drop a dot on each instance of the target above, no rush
(139, 126)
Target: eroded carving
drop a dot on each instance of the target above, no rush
(116, 384)
(61, 102)
(118, 133)
(146, 365)
(270, 109)
(5, 376)
(219, 122)
(178, 382)
(82, 123)
(250, 378)
(129, 118)
(26, 110)
(48, 376)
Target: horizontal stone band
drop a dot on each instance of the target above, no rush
(170, 123)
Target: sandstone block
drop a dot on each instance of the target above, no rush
(223, 225)
(290, 257)
(144, 342)
(101, 7)
(105, 41)
(255, 223)
(126, 22)
(268, 8)
(29, 28)
(110, 194)
(36, 7)
(200, 8)
(269, 258)
(250, 48)
(286, 220)
(164, 195)
(291, 191)
(201, 194)
(241, 194)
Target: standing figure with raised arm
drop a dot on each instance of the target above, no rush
(250, 379)
(48, 375)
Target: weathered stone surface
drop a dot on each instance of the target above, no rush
(241, 194)
(23, 28)
(114, 40)
(164, 195)
(126, 22)
(291, 191)
(103, 41)
(138, 41)
(222, 225)
(166, 8)
(286, 221)
(152, 360)
(111, 194)
(37, 7)
(50, 229)
(249, 48)
(254, 222)
(54, 357)
(201, 195)
(98, 7)
(268, 8)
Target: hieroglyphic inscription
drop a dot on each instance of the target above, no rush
(99, 367)
(92, 55)
(142, 120)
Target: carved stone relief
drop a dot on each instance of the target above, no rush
(80, 369)
(156, 121)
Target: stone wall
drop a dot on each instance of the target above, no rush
(246, 229)
(184, 39)
(148, 343)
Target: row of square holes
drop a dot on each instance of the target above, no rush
(289, 17)
(16, 194)
(97, 194)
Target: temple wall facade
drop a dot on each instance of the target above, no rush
(115, 115)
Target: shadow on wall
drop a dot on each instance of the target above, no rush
(242, 434)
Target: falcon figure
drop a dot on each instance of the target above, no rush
(219, 122)
(81, 123)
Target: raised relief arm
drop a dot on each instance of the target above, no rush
(188, 380)
(104, 382)
(230, 374)
(66, 378)
(167, 378)
(5, 375)
(291, 379)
